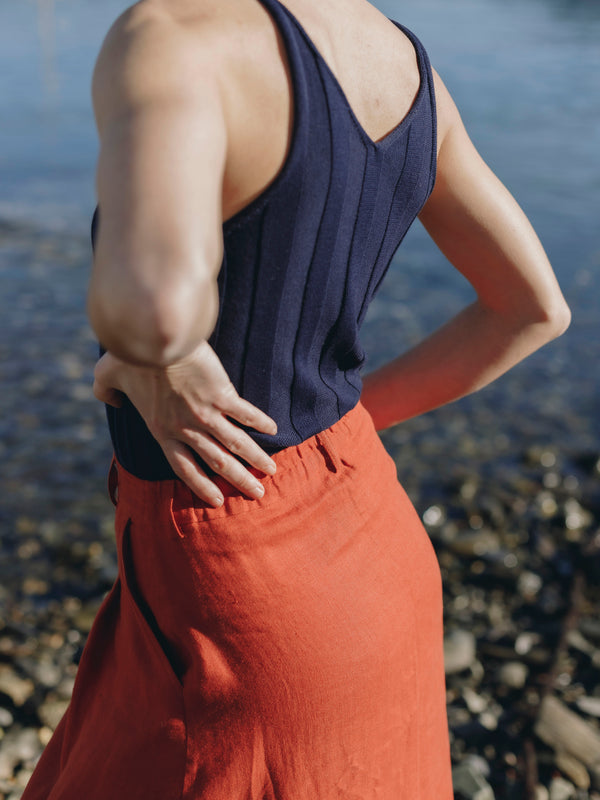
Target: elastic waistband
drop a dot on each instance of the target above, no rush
(332, 450)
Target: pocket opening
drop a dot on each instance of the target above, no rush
(113, 482)
(168, 655)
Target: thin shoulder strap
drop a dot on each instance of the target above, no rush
(428, 73)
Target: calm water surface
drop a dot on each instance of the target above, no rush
(525, 74)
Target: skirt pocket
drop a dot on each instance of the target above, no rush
(124, 735)
(148, 626)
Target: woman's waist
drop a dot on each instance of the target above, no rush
(325, 467)
(140, 454)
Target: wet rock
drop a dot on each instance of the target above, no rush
(18, 746)
(43, 670)
(45, 734)
(529, 584)
(469, 783)
(576, 517)
(459, 651)
(541, 455)
(566, 732)
(475, 702)
(489, 719)
(536, 655)
(23, 777)
(434, 516)
(573, 769)
(589, 705)
(35, 586)
(576, 640)
(64, 690)
(546, 504)
(84, 619)
(526, 641)
(6, 718)
(458, 717)
(51, 712)
(513, 674)
(475, 543)
(590, 627)
(561, 789)
(478, 764)
(18, 689)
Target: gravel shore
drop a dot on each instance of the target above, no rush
(507, 483)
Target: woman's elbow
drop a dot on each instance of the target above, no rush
(544, 312)
(156, 328)
(557, 317)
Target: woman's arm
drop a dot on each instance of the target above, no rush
(153, 291)
(153, 297)
(480, 228)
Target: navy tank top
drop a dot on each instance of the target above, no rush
(304, 259)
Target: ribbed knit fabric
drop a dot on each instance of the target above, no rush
(304, 259)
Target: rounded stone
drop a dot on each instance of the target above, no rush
(459, 651)
(513, 674)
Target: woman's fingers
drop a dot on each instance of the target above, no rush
(107, 394)
(185, 467)
(193, 407)
(243, 411)
(238, 442)
(104, 382)
(221, 461)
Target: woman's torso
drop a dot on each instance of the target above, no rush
(331, 154)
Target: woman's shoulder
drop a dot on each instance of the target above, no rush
(210, 21)
(149, 49)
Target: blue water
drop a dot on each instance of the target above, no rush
(524, 73)
(525, 76)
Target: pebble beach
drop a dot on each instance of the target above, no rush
(507, 481)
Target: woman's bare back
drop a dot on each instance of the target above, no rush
(372, 60)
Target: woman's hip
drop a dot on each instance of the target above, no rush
(334, 553)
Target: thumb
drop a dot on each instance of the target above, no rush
(106, 394)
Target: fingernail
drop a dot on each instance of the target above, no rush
(218, 500)
(259, 489)
(272, 468)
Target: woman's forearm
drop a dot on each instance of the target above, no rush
(486, 236)
(464, 355)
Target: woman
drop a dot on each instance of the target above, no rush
(275, 630)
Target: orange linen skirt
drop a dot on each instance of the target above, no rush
(288, 648)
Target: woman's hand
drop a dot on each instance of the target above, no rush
(186, 406)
